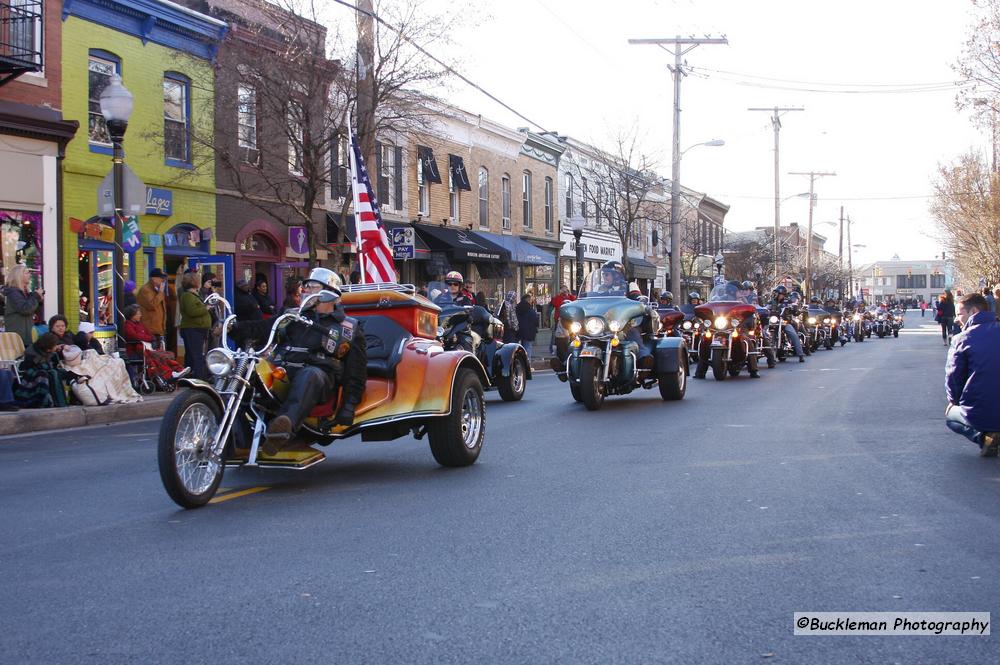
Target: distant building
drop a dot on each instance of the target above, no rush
(904, 280)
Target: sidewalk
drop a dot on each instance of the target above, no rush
(70, 417)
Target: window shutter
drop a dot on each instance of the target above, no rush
(398, 176)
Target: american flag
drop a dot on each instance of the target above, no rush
(374, 250)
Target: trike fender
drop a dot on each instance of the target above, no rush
(503, 359)
(669, 354)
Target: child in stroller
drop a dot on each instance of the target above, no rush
(150, 368)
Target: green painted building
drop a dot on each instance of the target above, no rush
(164, 54)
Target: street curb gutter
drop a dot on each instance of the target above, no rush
(71, 417)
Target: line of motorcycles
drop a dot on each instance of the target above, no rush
(728, 334)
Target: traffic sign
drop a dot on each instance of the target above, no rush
(133, 195)
(403, 242)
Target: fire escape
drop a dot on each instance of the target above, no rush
(20, 38)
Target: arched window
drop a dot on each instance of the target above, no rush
(484, 198)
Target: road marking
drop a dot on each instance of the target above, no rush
(236, 495)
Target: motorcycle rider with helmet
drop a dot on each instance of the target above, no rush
(455, 282)
(666, 302)
(781, 299)
(748, 292)
(326, 353)
(613, 282)
(831, 306)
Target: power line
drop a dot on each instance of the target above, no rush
(844, 85)
(933, 87)
(448, 68)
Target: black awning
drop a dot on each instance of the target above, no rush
(428, 164)
(459, 176)
(333, 220)
(462, 245)
(641, 268)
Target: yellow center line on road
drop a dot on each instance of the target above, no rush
(236, 495)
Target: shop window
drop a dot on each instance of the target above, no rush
(96, 284)
(259, 243)
(21, 239)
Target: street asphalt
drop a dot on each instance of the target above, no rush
(647, 532)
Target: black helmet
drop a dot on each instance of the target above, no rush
(780, 290)
(613, 266)
(694, 295)
(667, 295)
(814, 299)
(747, 285)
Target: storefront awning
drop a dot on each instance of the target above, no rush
(420, 247)
(521, 251)
(462, 245)
(641, 268)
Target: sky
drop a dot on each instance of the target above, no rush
(567, 65)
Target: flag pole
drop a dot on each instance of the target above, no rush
(357, 203)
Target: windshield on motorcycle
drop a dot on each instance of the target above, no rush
(439, 293)
(731, 292)
(602, 283)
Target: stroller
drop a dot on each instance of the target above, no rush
(146, 377)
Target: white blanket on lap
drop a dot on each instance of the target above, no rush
(105, 379)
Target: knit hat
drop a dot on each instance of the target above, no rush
(86, 327)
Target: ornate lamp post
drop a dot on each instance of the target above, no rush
(577, 224)
(116, 107)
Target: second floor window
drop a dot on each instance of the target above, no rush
(937, 281)
(569, 195)
(583, 198)
(296, 137)
(340, 170)
(176, 120)
(390, 178)
(246, 111)
(454, 199)
(484, 198)
(423, 190)
(99, 72)
(548, 204)
(505, 201)
(526, 199)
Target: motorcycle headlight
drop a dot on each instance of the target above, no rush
(687, 325)
(220, 362)
(826, 321)
(735, 323)
(773, 319)
(812, 320)
(594, 325)
(575, 327)
(708, 323)
(881, 317)
(615, 326)
(857, 317)
(721, 322)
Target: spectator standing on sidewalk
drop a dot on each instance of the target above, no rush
(152, 301)
(563, 296)
(527, 322)
(923, 308)
(972, 377)
(945, 315)
(21, 303)
(509, 317)
(195, 325)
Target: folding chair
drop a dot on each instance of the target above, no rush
(11, 352)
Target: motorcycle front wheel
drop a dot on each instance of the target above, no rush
(719, 365)
(590, 384)
(190, 472)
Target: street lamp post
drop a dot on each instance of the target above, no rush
(674, 255)
(577, 223)
(116, 107)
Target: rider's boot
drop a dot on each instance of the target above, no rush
(279, 432)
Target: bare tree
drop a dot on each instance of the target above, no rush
(618, 189)
(967, 208)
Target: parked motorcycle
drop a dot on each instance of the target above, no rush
(476, 330)
(604, 354)
(413, 387)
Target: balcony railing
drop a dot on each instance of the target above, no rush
(20, 38)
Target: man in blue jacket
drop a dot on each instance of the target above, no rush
(972, 379)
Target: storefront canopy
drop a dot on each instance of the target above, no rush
(521, 251)
(420, 247)
(462, 245)
(641, 268)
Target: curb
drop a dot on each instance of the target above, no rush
(71, 417)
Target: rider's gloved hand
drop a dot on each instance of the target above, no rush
(345, 415)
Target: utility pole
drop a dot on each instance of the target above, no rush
(850, 268)
(366, 83)
(840, 253)
(809, 237)
(680, 47)
(776, 124)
